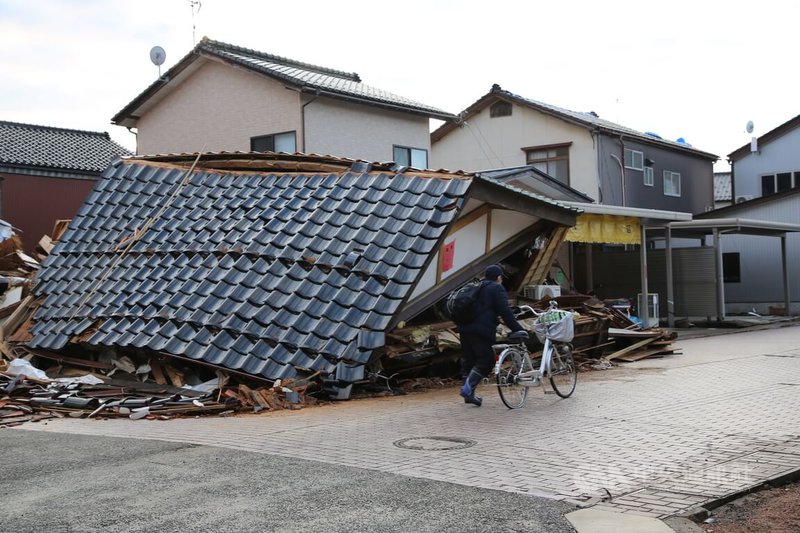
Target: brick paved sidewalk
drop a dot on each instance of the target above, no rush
(656, 438)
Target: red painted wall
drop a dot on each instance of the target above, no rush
(33, 203)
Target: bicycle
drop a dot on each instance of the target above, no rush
(514, 369)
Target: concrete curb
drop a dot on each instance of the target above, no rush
(698, 514)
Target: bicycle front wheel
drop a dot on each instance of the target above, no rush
(511, 363)
(563, 372)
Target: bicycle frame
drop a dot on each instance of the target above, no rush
(534, 377)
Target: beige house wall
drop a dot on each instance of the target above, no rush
(218, 108)
(344, 129)
(484, 143)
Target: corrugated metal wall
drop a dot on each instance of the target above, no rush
(617, 275)
(34, 203)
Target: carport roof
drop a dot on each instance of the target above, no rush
(647, 216)
(745, 226)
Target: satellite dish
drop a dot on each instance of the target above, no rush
(749, 127)
(157, 55)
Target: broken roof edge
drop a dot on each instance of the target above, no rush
(237, 161)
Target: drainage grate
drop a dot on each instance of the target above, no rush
(434, 443)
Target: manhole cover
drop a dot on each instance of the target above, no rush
(434, 443)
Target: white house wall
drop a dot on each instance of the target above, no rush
(218, 108)
(358, 131)
(778, 155)
(506, 224)
(483, 143)
(470, 243)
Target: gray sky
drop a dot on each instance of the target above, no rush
(693, 69)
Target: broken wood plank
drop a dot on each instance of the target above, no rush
(628, 349)
(16, 318)
(46, 244)
(618, 332)
(157, 371)
(72, 361)
(175, 376)
(59, 228)
(639, 355)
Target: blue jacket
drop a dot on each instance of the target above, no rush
(492, 302)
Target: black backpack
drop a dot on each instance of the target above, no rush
(462, 303)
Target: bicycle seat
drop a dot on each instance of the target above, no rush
(518, 335)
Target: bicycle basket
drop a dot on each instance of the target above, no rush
(556, 325)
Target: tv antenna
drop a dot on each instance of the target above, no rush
(753, 140)
(157, 56)
(194, 4)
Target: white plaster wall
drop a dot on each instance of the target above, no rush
(470, 243)
(218, 108)
(506, 224)
(486, 143)
(344, 129)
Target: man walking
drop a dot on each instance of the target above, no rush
(478, 335)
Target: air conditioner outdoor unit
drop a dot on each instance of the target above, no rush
(744, 198)
(538, 292)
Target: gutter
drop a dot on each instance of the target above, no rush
(315, 93)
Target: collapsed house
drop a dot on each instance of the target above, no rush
(272, 266)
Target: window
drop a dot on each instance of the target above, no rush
(648, 176)
(552, 159)
(277, 142)
(672, 183)
(782, 181)
(411, 157)
(731, 269)
(634, 159)
(500, 109)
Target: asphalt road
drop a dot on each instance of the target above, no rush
(63, 483)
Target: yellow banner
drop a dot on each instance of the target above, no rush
(609, 229)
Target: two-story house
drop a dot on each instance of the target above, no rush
(46, 173)
(610, 163)
(760, 273)
(222, 97)
(639, 179)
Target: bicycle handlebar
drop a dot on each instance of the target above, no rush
(528, 309)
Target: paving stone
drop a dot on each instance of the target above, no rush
(660, 436)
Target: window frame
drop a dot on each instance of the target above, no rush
(272, 136)
(672, 174)
(774, 178)
(550, 159)
(500, 109)
(648, 178)
(409, 150)
(632, 152)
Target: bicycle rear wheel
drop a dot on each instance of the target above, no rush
(511, 363)
(563, 372)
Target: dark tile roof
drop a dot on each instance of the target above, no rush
(27, 145)
(307, 77)
(278, 265)
(587, 119)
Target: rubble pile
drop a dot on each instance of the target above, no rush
(28, 394)
(602, 334)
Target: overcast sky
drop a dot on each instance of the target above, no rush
(679, 68)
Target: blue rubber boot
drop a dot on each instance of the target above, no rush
(468, 390)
